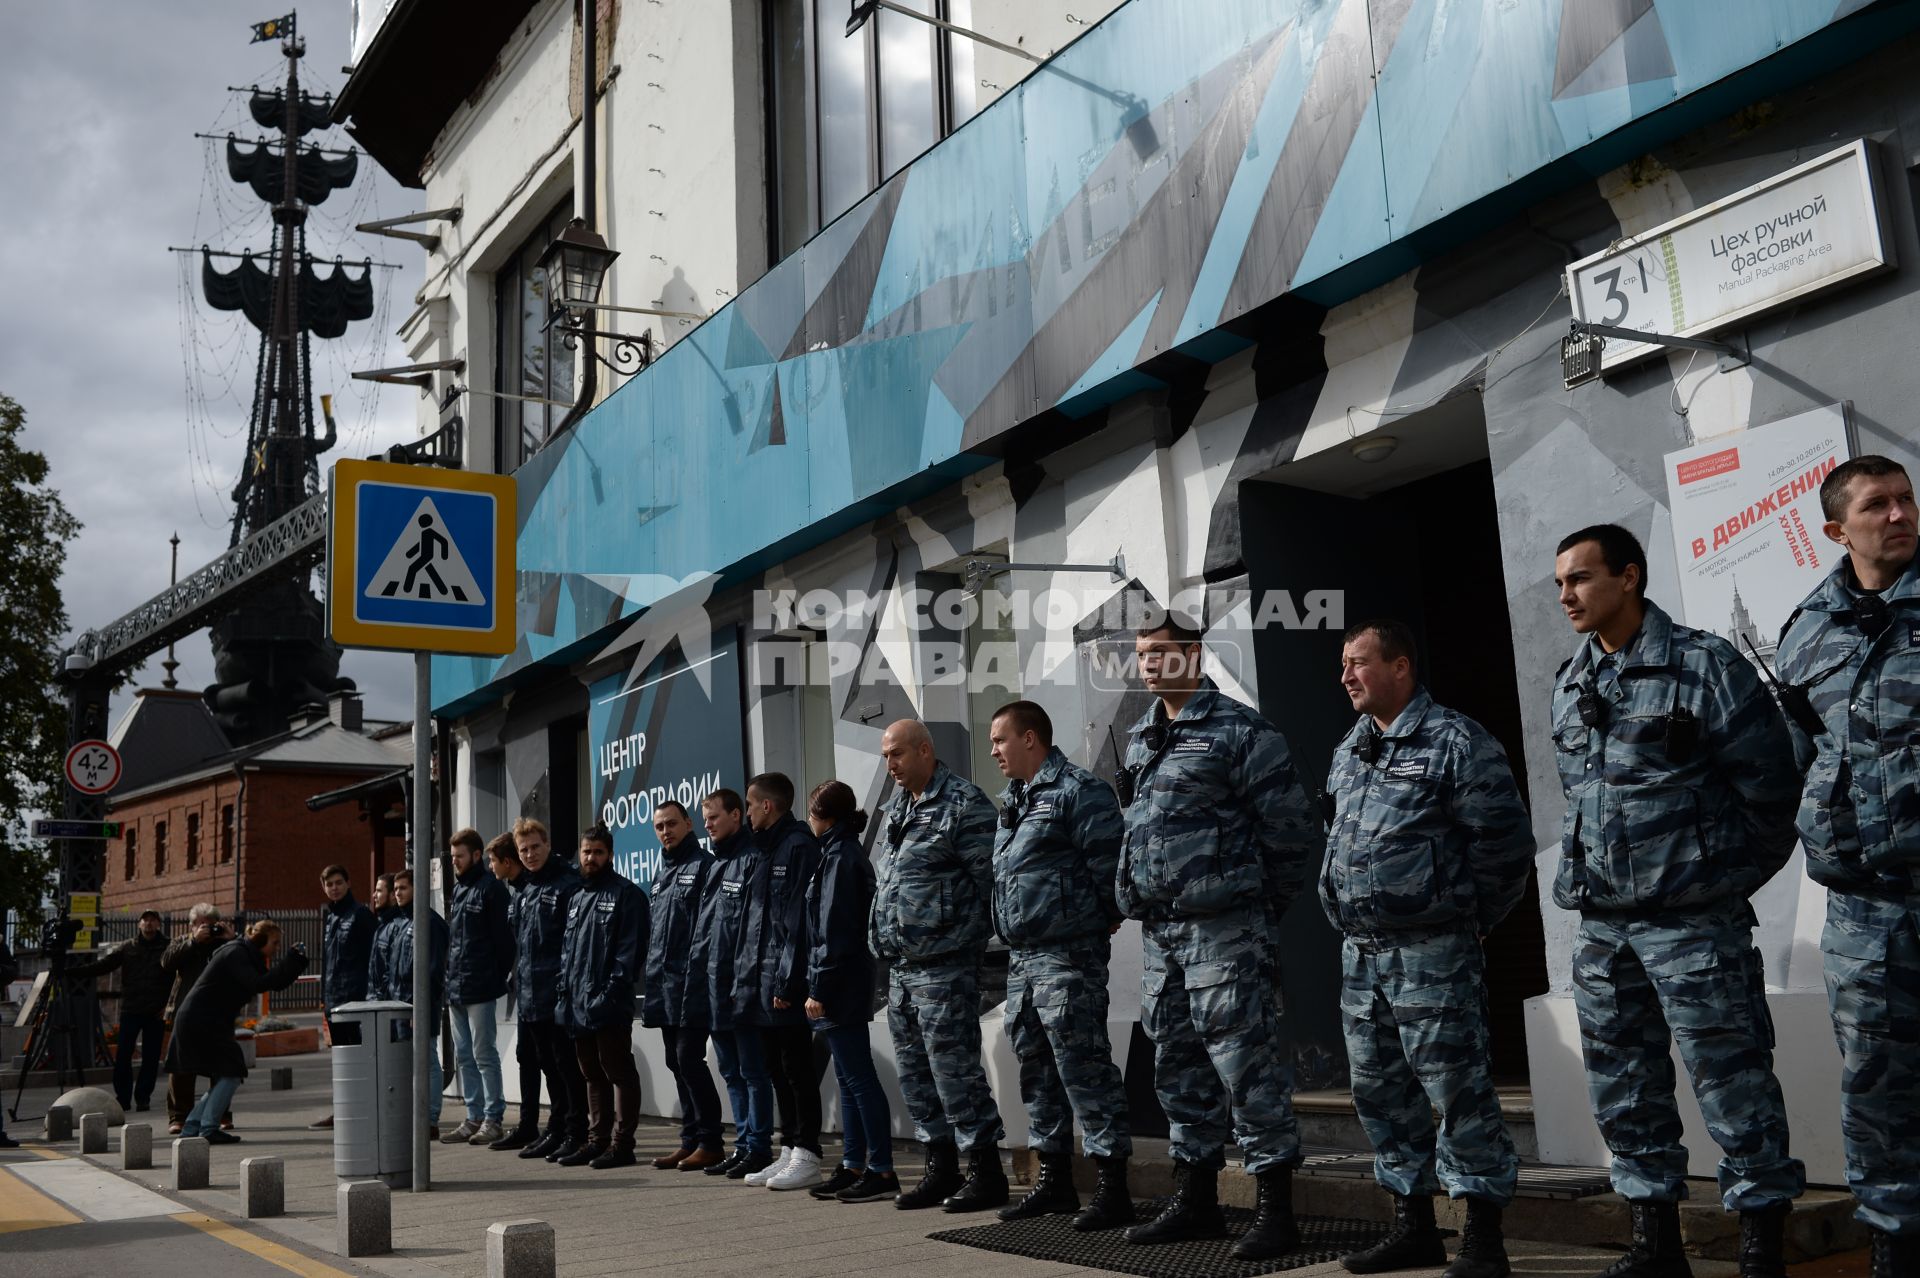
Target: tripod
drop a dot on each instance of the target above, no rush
(53, 1022)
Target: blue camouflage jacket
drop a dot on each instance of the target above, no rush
(676, 990)
(1431, 836)
(1684, 796)
(1053, 871)
(1218, 819)
(723, 921)
(1860, 807)
(603, 954)
(539, 926)
(935, 879)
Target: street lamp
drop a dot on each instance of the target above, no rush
(575, 267)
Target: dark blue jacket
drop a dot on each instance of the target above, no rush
(676, 992)
(722, 921)
(480, 953)
(772, 961)
(346, 945)
(390, 975)
(539, 927)
(838, 964)
(604, 954)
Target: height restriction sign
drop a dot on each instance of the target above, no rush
(420, 559)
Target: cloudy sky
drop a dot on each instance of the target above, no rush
(138, 393)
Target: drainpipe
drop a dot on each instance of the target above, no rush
(239, 824)
(584, 207)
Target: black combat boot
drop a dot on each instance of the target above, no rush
(942, 1177)
(1273, 1232)
(1112, 1204)
(986, 1183)
(1656, 1250)
(1483, 1248)
(1763, 1242)
(1894, 1256)
(1192, 1212)
(1412, 1243)
(1052, 1193)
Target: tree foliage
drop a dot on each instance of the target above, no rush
(35, 528)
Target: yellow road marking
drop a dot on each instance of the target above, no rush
(42, 1151)
(23, 1207)
(272, 1252)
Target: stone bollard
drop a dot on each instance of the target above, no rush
(363, 1219)
(60, 1122)
(263, 1187)
(520, 1249)
(281, 1079)
(136, 1147)
(93, 1133)
(190, 1162)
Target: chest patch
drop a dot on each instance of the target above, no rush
(1192, 747)
(688, 879)
(1041, 808)
(1407, 769)
(729, 887)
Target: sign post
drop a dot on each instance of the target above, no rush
(422, 560)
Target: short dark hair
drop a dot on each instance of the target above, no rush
(834, 801)
(403, 874)
(729, 800)
(777, 786)
(1028, 716)
(1833, 489)
(386, 879)
(1394, 637)
(664, 804)
(1618, 547)
(597, 833)
(1176, 628)
(469, 839)
(332, 870)
(502, 848)
(148, 914)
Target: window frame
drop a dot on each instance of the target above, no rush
(193, 840)
(513, 447)
(131, 835)
(159, 848)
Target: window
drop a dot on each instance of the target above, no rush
(844, 113)
(133, 852)
(193, 840)
(226, 833)
(531, 361)
(159, 847)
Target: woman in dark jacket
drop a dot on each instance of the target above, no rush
(203, 1041)
(840, 994)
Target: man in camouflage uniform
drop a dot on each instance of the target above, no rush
(1679, 783)
(1219, 839)
(1428, 847)
(1054, 861)
(930, 922)
(1851, 654)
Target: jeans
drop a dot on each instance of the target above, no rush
(145, 1030)
(864, 1113)
(741, 1055)
(796, 1084)
(205, 1116)
(613, 1084)
(699, 1102)
(476, 1053)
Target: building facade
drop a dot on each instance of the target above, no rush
(1253, 308)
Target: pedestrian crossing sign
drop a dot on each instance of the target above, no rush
(420, 559)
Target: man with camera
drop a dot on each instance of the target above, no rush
(183, 962)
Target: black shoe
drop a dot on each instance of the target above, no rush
(986, 1182)
(1273, 1232)
(1656, 1251)
(728, 1163)
(1412, 1243)
(1483, 1248)
(942, 1178)
(1894, 1255)
(1052, 1193)
(1763, 1242)
(750, 1164)
(1112, 1204)
(618, 1156)
(581, 1155)
(545, 1145)
(842, 1177)
(872, 1187)
(518, 1138)
(214, 1136)
(8, 1142)
(1192, 1212)
(566, 1149)
(142, 1106)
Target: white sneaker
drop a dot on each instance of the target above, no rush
(771, 1170)
(802, 1171)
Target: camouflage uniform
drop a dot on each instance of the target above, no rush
(930, 919)
(1679, 806)
(1053, 904)
(1860, 823)
(1219, 839)
(1427, 849)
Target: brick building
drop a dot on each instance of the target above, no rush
(203, 821)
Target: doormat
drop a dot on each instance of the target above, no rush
(1322, 1238)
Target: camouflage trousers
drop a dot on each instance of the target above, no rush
(1872, 951)
(1207, 1003)
(1645, 985)
(1056, 1019)
(1416, 1029)
(933, 1013)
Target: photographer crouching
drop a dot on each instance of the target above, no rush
(183, 962)
(203, 1041)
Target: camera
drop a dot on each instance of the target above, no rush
(300, 948)
(57, 936)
